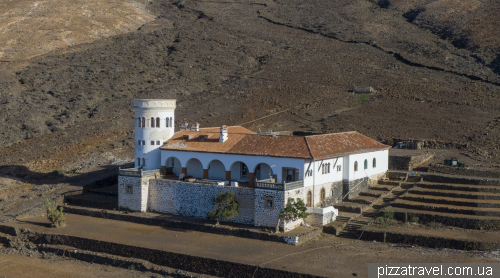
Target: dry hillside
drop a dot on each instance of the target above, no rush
(69, 70)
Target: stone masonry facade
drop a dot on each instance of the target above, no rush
(195, 199)
(257, 206)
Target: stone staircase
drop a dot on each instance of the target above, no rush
(358, 211)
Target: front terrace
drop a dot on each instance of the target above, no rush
(242, 173)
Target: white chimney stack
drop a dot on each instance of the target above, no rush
(223, 134)
(195, 126)
(183, 126)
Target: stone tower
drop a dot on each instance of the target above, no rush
(154, 124)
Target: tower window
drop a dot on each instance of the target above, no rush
(355, 166)
(143, 142)
(171, 123)
(143, 122)
(152, 122)
(139, 120)
(152, 142)
(138, 142)
(157, 142)
(157, 122)
(366, 164)
(167, 122)
(143, 162)
(138, 162)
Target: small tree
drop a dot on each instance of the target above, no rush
(294, 210)
(225, 207)
(55, 216)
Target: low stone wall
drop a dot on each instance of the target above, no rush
(460, 222)
(319, 217)
(464, 171)
(428, 241)
(191, 263)
(444, 178)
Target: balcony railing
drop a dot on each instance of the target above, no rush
(268, 184)
(138, 172)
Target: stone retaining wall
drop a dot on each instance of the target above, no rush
(195, 199)
(174, 260)
(463, 171)
(444, 178)
(460, 222)
(428, 241)
(407, 163)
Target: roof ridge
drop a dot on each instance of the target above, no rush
(308, 148)
(325, 134)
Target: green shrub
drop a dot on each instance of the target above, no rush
(415, 219)
(294, 210)
(55, 216)
(225, 207)
(363, 97)
(389, 214)
(58, 172)
(383, 223)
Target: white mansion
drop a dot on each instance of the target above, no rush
(262, 170)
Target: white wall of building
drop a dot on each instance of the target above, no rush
(318, 175)
(276, 163)
(149, 154)
(382, 162)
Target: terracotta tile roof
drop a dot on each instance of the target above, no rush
(243, 141)
(340, 144)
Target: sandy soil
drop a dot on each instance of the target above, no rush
(30, 28)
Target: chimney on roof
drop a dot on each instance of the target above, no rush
(223, 134)
(183, 126)
(195, 126)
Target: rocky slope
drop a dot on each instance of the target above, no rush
(64, 104)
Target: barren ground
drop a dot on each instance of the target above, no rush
(70, 69)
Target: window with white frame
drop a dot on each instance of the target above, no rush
(152, 142)
(157, 142)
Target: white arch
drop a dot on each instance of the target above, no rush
(216, 170)
(239, 171)
(175, 163)
(263, 171)
(194, 168)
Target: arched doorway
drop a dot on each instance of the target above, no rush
(263, 171)
(194, 168)
(309, 199)
(173, 165)
(216, 170)
(239, 172)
